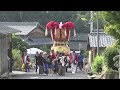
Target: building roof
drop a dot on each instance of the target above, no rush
(39, 41)
(78, 45)
(24, 27)
(80, 36)
(7, 30)
(19, 23)
(104, 40)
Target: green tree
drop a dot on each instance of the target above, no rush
(97, 64)
(80, 18)
(18, 43)
(112, 23)
(17, 59)
(43, 17)
(108, 54)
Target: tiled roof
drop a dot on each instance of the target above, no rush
(104, 40)
(39, 41)
(80, 36)
(19, 23)
(78, 45)
(24, 27)
(7, 30)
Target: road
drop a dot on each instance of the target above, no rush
(33, 75)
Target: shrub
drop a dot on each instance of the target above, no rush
(108, 54)
(85, 54)
(111, 74)
(97, 64)
(17, 59)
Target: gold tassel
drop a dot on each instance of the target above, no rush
(51, 35)
(65, 32)
(46, 32)
(55, 31)
(69, 36)
(74, 33)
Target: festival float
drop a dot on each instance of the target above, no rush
(60, 34)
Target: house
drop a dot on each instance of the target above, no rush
(5, 48)
(104, 41)
(79, 42)
(26, 28)
(31, 32)
(37, 42)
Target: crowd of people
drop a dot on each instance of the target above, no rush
(55, 63)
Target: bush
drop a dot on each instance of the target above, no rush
(108, 54)
(85, 54)
(111, 74)
(97, 64)
(17, 59)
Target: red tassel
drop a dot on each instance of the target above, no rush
(67, 33)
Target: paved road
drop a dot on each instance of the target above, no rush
(34, 75)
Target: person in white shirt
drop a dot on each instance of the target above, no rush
(62, 64)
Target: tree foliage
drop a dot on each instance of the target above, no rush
(108, 54)
(112, 23)
(17, 58)
(98, 64)
(80, 18)
(18, 43)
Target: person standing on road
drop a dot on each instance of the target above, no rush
(53, 57)
(56, 68)
(37, 60)
(26, 61)
(45, 63)
(49, 60)
(74, 62)
(80, 61)
(41, 64)
(62, 64)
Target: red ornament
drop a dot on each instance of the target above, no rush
(70, 25)
(56, 25)
(50, 25)
(53, 26)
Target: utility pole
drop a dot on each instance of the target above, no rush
(91, 21)
(119, 64)
(97, 34)
(10, 52)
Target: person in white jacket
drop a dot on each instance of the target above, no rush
(62, 64)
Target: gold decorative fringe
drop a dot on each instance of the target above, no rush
(74, 33)
(65, 32)
(69, 36)
(46, 32)
(51, 35)
(55, 31)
